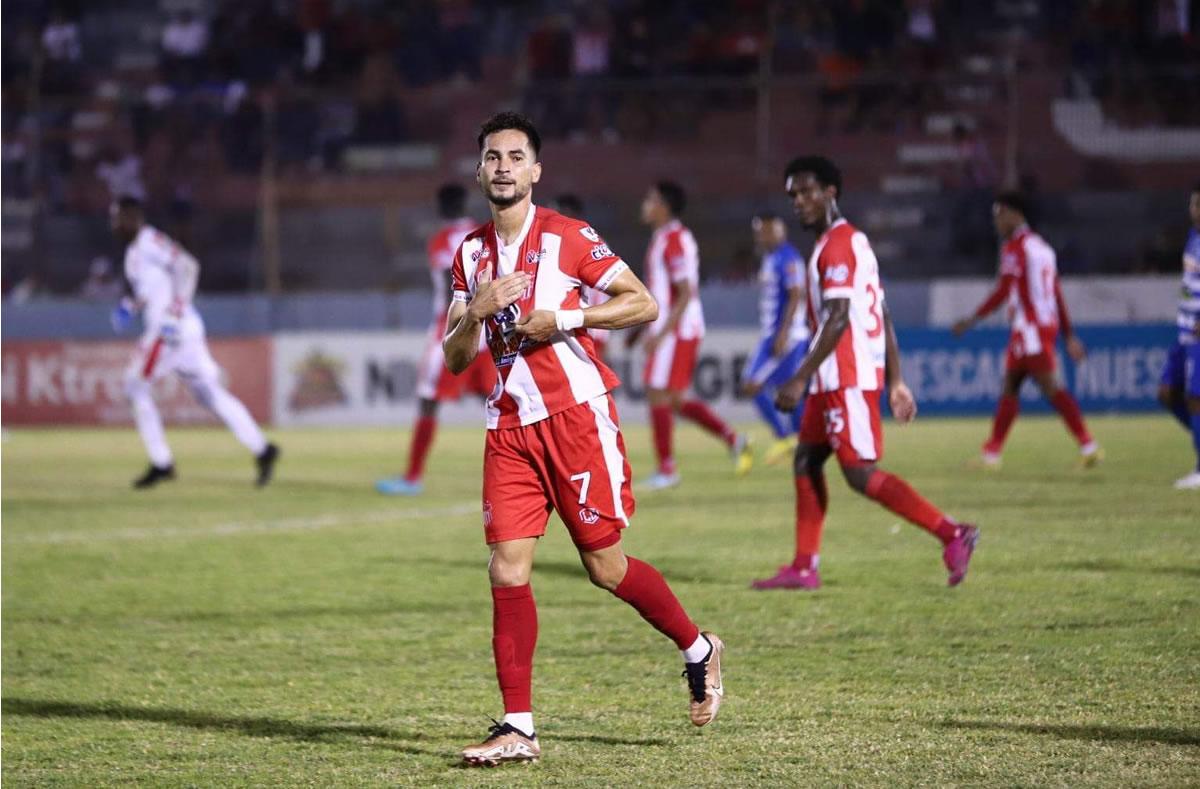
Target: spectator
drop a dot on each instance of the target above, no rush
(64, 55)
(184, 48)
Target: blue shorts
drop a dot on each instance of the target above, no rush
(1182, 370)
(765, 369)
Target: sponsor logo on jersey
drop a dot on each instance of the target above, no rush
(601, 251)
(589, 515)
(481, 254)
(589, 234)
(503, 339)
(838, 273)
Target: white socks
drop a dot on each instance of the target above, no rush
(150, 427)
(698, 651)
(523, 721)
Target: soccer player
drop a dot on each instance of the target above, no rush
(852, 357)
(1179, 389)
(570, 205)
(784, 340)
(1029, 287)
(553, 442)
(436, 384)
(162, 276)
(672, 342)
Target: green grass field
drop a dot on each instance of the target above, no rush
(317, 634)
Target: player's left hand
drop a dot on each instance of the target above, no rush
(538, 326)
(904, 405)
(1076, 349)
(751, 388)
(790, 395)
(780, 346)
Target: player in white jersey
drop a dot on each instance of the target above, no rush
(162, 276)
(852, 361)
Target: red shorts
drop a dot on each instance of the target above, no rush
(1043, 361)
(436, 382)
(672, 364)
(572, 462)
(848, 421)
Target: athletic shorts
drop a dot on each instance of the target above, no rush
(1182, 370)
(436, 382)
(769, 371)
(846, 420)
(672, 364)
(573, 463)
(1044, 361)
(188, 356)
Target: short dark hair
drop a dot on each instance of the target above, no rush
(1196, 188)
(766, 215)
(823, 170)
(673, 195)
(511, 120)
(451, 201)
(1014, 200)
(570, 204)
(129, 202)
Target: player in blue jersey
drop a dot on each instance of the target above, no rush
(784, 340)
(1179, 389)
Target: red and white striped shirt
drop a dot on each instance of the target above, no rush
(563, 255)
(843, 266)
(674, 257)
(440, 249)
(1029, 287)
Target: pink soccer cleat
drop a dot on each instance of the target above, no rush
(789, 577)
(957, 554)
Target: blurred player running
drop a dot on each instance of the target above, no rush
(436, 384)
(570, 205)
(1179, 389)
(852, 357)
(672, 342)
(162, 276)
(784, 340)
(1036, 311)
(553, 442)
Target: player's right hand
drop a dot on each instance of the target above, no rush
(491, 295)
(961, 327)
(121, 316)
(789, 396)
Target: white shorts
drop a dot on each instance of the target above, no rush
(190, 358)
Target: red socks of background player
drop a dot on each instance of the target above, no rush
(422, 440)
(644, 588)
(704, 416)
(1068, 408)
(1006, 413)
(899, 497)
(812, 499)
(662, 421)
(514, 636)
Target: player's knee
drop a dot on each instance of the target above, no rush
(858, 476)
(203, 392)
(1165, 396)
(805, 460)
(1193, 404)
(135, 386)
(502, 572)
(605, 569)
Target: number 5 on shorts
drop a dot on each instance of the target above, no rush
(834, 422)
(585, 478)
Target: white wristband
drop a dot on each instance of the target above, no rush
(568, 320)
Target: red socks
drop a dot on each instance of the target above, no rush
(811, 502)
(514, 636)
(899, 497)
(422, 440)
(644, 588)
(661, 423)
(704, 416)
(1068, 408)
(1006, 413)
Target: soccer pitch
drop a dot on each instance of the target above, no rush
(318, 634)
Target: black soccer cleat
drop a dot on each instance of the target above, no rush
(153, 476)
(266, 464)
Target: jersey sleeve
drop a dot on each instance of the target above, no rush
(440, 253)
(679, 256)
(459, 291)
(835, 268)
(586, 257)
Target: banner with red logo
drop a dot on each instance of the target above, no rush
(51, 382)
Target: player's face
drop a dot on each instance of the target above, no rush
(810, 200)
(1194, 209)
(123, 223)
(768, 233)
(654, 208)
(1004, 219)
(508, 168)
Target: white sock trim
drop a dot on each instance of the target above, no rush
(522, 721)
(698, 651)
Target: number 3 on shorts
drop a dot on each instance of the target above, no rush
(835, 423)
(585, 478)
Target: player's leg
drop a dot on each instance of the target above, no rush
(424, 430)
(196, 367)
(757, 371)
(856, 431)
(784, 372)
(1192, 389)
(1007, 409)
(144, 369)
(697, 411)
(812, 502)
(1068, 408)
(657, 376)
(1172, 383)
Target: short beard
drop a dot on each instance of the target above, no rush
(505, 202)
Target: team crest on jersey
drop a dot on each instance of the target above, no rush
(589, 234)
(589, 515)
(838, 273)
(503, 339)
(601, 251)
(533, 258)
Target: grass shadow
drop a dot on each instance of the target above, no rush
(250, 726)
(604, 739)
(1113, 566)
(1090, 732)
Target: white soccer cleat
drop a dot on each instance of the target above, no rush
(1190, 482)
(660, 481)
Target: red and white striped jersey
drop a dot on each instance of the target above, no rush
(843, 266)
(440, 249)
(1033, 292)
(674, 257)
(162, 275)
(563, 255)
